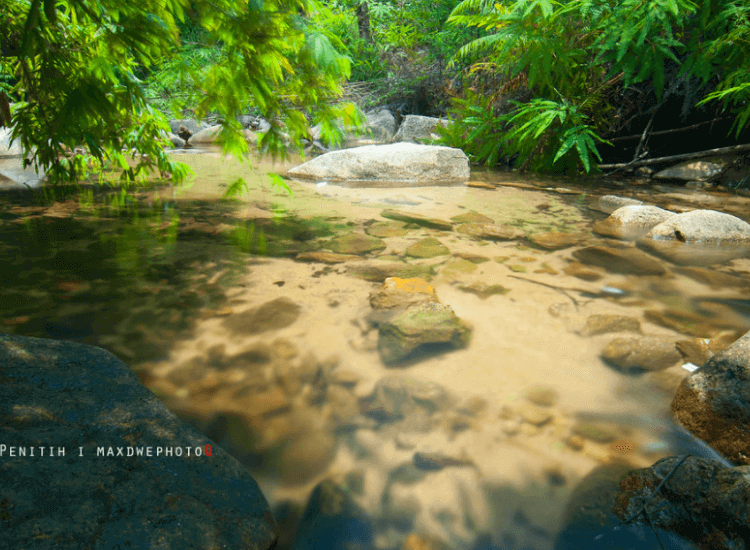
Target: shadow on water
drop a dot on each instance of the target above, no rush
(134, 273)
(127, 271)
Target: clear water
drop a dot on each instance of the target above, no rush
(174, 281)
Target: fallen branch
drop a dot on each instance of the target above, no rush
(672, 131)
(686, 156)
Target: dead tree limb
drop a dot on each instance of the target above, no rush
(672, 131)
(673, 158)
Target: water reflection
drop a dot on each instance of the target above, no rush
(278, 360)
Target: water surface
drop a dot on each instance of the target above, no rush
(275, 359)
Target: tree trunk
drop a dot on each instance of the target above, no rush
(363, 21)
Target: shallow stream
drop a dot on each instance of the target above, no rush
(224, 312)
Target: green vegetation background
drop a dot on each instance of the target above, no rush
(538, 84)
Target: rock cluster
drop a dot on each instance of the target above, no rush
(696, 237)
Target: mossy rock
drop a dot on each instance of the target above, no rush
(429, 328)
(385, 229)
(427, 248)
(354, 243)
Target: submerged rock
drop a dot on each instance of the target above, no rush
(379, 271)
(385, 229)
(430, 328)
(555, 240)
(411, 217)
(483, 290)
(620, 260)
(326, 257)
(602, 324)
(397, 293)
(437, 461)
(392, 162)
(636, 354)
(544, 396)
(472, 217)
(427, 248)
(595, 431)
(80, 398)
(397, 398)
(490, 232)
(714, 278)
(714, 402)
(456, 266)
(332, 520)
(276, 314)
(632, 222)
(354, 243)
(695, 324)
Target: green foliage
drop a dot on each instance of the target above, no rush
(572, 54)
(541, 120)
(75, 80)
(476, 128)
(404, 35)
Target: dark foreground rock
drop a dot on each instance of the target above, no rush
(69, 401)
(333, 521)
(714, 402)
(590, 523)
(701, 500)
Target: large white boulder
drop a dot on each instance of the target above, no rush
(8, 148)
(13, 175)
(391, 162)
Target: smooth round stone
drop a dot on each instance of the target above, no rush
(533, 414)
(636, 354)
(602, 324)
(543, 396)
